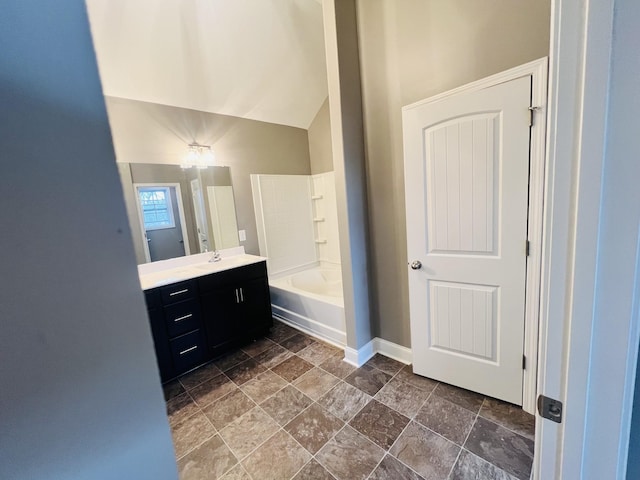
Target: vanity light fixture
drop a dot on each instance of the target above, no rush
(199, 156)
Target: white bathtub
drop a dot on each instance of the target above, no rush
(312, 301)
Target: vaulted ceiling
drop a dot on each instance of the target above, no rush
(257, 59)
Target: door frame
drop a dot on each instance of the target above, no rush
(183, 224)
(537, 69)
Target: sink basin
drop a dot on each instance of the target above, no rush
(223, 264)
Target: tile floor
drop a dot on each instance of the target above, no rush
(287, 407)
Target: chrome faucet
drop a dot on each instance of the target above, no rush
(215, 257)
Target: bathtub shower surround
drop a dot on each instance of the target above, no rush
(297, 224)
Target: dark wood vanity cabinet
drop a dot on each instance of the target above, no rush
(199, 319)
(237, 306)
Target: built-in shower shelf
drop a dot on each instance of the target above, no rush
(319, 219)
(317, 197)
(321, 240)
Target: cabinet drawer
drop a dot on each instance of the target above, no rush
(182, 317)
(176, 292)
(188, 351)
(232, 276)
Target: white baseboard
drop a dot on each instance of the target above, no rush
(377, 345)
(314, 329)
(393, 350)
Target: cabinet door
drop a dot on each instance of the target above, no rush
(220, 315)
(255, 302)
(161, 343)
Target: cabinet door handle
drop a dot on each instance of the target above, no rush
(241, 296)
(237, 298)
(188, 350)
(184, 317)
(178, 292)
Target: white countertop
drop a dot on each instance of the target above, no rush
(165, 272)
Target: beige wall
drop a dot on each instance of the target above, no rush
(320, 152)
(410, 50)
(151, 133)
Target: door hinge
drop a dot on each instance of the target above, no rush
(550, 408)
(527, 248)
(532, 111)
(524, 362)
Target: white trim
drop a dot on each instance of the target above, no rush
(309, 326)
(183, 225)
(359, 357)
(377, 345)
(537, 70)
(392, 350)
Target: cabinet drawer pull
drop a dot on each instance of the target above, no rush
(184, 317)
(241, 296)
(237, 298)
(188, 350)
(179, 292)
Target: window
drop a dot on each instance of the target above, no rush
(157, 210)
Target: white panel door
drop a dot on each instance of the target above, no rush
(466, 179)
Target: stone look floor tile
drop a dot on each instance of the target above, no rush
(280, 332)
(314, 471)
(210, 460)
(386, 364)
(191, 432)
(509, 416)
(349, 455)
(231, 360)
(344, 401)
(379, 423)
(286, 404)
(314, 427)
(469, 400)
(509, 451)
(448, 419)
(403, 397)
(292, 368)
(172, 389)
(226, 409)
(246, 433)
(368, 379)
(317, 353)
(392, 469)
(212, 390)
(263, 386)
(273, 356)
(257, 347)
(337, 367)
(425, 452)
(470, 466)
(181, 407)
(217, 426)
(297, 342)
(423, 383)
(245, 371)
(315, 383)
(198, 376)
(195, 378)
(237, 473)
(280, 457)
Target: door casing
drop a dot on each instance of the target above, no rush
(537, 69)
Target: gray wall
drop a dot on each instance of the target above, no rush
(410, 50)
(80, 395)
(320, 152)
(151, 133)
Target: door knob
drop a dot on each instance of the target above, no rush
(416, 265)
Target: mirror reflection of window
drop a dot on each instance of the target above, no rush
(157, 210)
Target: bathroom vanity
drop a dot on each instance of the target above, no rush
(198, 310)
